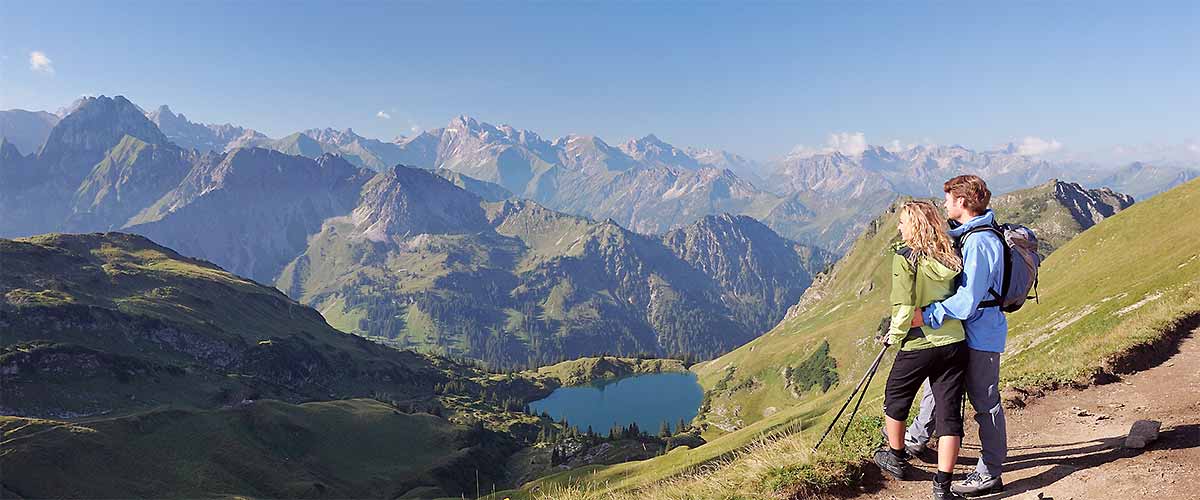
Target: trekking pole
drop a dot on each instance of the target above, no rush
(861, 395)
(871, 371)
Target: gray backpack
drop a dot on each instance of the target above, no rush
(1021, 262)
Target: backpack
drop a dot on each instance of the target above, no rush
(1021, 262)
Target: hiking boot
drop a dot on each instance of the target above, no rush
(889, 463)
(943, 491)
(978, 484)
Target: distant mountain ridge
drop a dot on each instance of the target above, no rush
(203, 137)
(1058, 211)
(434, 260)
(653, 186)
(819, 198)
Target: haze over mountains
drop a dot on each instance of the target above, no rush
(817, 197)
(502, 246)
(651, 186)
(410, 256)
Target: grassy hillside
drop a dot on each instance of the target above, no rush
(1114, 288)
(587, 370)
(1120, 285)
(266, 449)
(108, 318)
(130, 370)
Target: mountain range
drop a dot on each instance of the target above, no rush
(435, 260)
(390, 251)
(820, 198)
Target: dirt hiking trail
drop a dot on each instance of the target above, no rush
(1069, 445)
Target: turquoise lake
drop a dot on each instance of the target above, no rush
(648, 400)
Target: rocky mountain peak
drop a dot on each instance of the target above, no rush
(334, 136)
(468, 125)
(1090, 205)
(652, 150)
(745, 256)
(96, 125)
(402, 201)
(720, 230)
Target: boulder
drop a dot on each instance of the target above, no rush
(1142, 433)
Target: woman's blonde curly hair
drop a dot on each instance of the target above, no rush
(928, 235)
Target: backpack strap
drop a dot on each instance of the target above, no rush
(997, 298)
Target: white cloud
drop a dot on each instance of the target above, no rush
(847, 143)
(38, 61)
(383, 114)
(850, 144)
(1034, 146)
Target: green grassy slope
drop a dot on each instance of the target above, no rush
(120, 312)
(267, 449)
(130, 369)
(1115, 287)
(587, 370)
(1121, 284)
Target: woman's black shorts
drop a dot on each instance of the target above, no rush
(946, 368)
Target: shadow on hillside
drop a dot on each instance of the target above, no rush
(1150, 355)
(1068, 461)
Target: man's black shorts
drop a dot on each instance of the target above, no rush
(946, 369)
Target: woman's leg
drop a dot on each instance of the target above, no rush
(905, 379)
(908, 372)
(895, 433)
(948, 448)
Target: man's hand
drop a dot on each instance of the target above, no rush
(918, 319)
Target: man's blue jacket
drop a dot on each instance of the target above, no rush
(983, 268)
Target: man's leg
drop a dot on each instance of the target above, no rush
(983, 388)
(922, 426)
(947, 378)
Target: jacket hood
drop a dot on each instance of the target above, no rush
(930, 268)
(935, 270)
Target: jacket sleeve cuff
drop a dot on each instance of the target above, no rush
(930, 317)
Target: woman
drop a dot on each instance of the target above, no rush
(924, 268)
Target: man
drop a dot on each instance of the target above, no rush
(966, 203)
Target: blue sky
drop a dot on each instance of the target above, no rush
(756, 78)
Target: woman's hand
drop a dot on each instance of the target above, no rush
(918, 319)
